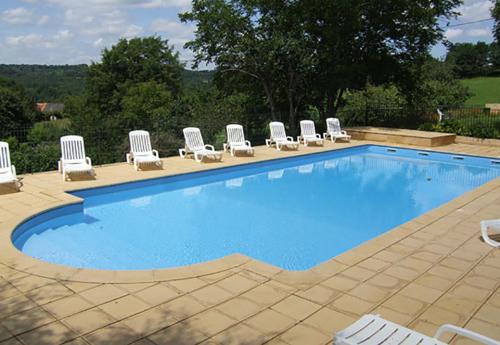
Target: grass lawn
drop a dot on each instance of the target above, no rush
(485, 90)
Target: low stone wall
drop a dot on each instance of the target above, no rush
(477, 141)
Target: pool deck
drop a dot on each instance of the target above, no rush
(429, 271)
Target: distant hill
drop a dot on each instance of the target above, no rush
(47, 83)
(54, 83)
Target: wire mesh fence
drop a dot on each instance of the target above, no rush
(36, 148)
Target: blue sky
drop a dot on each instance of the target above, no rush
(75, 31)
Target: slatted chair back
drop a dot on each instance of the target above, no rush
(5, 164)
(72, 149)
(277, 131)
(194, 140)
(333, 125)
(140, 143)
(307, 128)
(235, 134)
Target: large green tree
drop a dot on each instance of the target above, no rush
(313, 50)
(469, 59)
(495, 13)
(127, 64)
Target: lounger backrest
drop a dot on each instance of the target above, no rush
(277, 130)
(4, 157)
(72, 148)
(307, 128)
(235, 134)
(140, 142)
(194, 140)
(333, 125)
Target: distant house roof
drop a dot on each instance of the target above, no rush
(50, 107)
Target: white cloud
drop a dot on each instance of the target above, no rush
(19, 15)
(475, 10)
(479, 32)
(98, 42)
(43, 20)
(27, 40)
(174, 29)
(453, 33)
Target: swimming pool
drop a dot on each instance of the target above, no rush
(294, 213)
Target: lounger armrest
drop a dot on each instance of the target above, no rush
(155, 153)
(210, 147)
(88, 160)
(248, 143)
(289, 138)
(465, 333)
(225, 147)
(318, 136)
(13, 170)
(182, 153)
(343, 132)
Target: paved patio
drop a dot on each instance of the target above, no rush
(429, 271)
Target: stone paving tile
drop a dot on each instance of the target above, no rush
(157, 294)
(26, 320)
(265, 295)
(421, 293)
(102, 294)
(296, 307)
(351, 305)
(67, 306)
(49, 293)
(211, 295)
(329, 321)
(239, 308)
(178, 334)
(319, 294)
(183, 307)
(270, 322)
(124, 307)
(300, 334)
(237, 284)
(115, 334)
(51, 334)
(88, 321)
(240, 335)
(150, 321)
(187, 285)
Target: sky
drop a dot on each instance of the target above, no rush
(75, 31)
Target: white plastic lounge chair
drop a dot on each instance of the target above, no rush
(308, 133)
(141, 151)
(73, 159)
(494, 226)
(236, 140)
(7, 170)
(279, 137)
(333, 130)
(373, 330)
(196, 147)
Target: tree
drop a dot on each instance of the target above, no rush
(128, 63)
(315, 50)
(495, 13)
(16, 107)
(469, 59)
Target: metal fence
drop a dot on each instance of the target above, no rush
(36, 148)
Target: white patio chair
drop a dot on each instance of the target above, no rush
(279, 137)
(373, 330)
(236, 141)
(141, 151)
(195, 146)
(333, 130)
(73, 159)
(7, 170)
(493, 226)
(308, 133)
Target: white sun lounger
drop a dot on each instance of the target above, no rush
(236, 141)
(73, 159)
(141, 151)
(333, 130)
(308, 133)
(279, 137)
(7, 170)
(493, 226)
(373, 330)
(195, 146)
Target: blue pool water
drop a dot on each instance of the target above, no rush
(293, 213)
